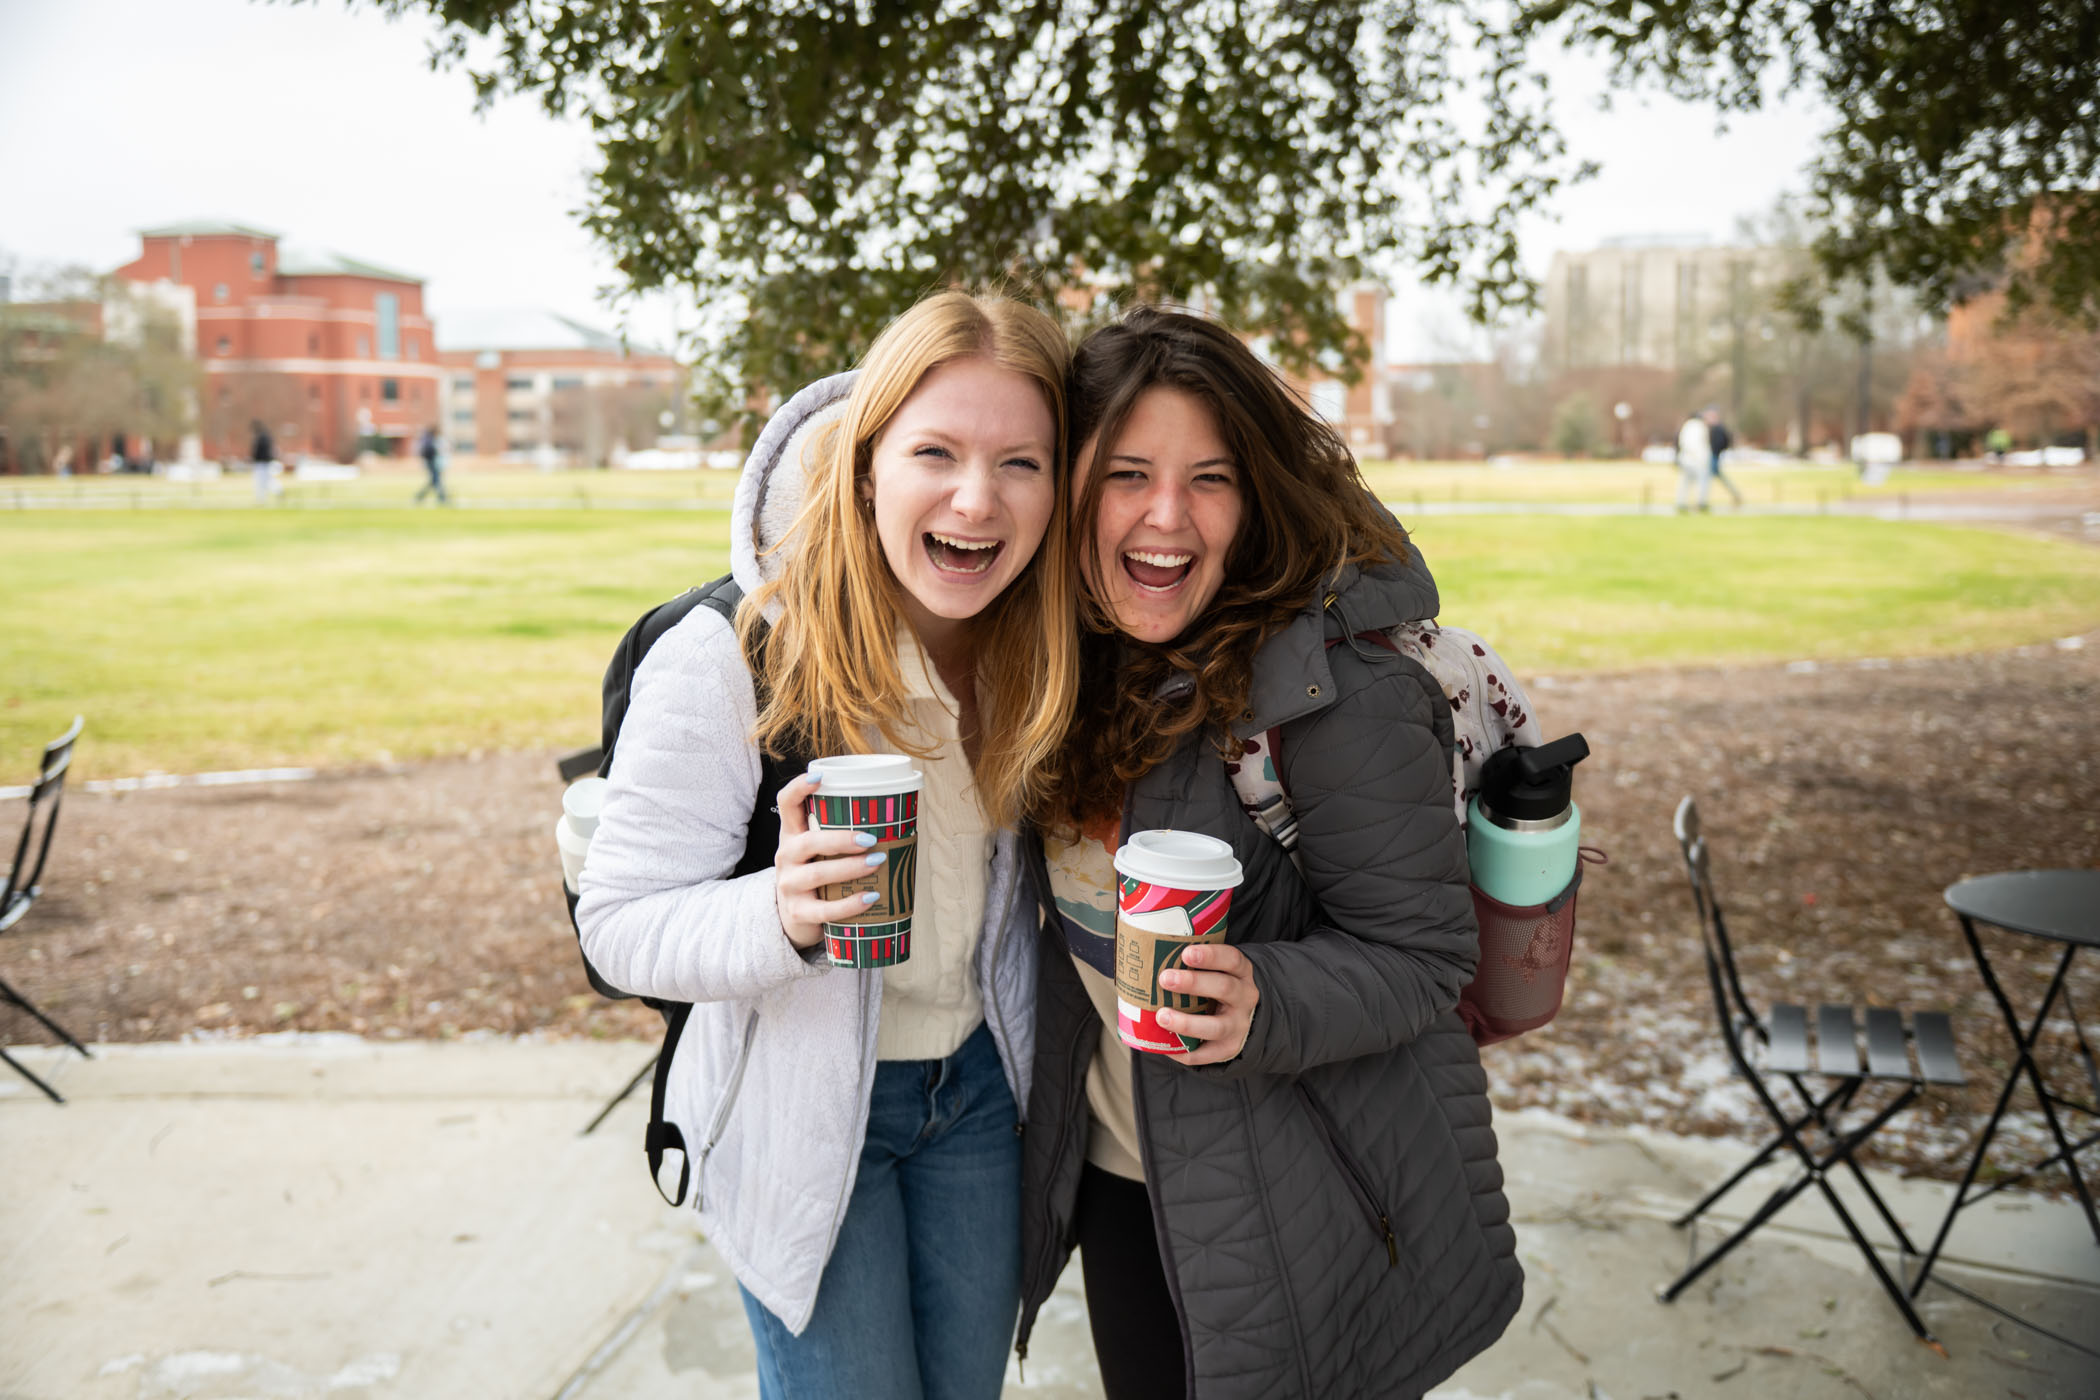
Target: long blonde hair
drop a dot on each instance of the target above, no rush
(832, 682)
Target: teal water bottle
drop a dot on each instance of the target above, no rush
(1522, 827)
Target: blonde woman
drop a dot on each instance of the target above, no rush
(853, 1132)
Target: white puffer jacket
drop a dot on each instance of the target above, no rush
(771, 1080)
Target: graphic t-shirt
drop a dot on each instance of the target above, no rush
(1083, 884)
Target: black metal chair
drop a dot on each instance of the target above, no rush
(1892, 1036)
(24, 881)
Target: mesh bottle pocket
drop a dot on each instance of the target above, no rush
(1523, 969)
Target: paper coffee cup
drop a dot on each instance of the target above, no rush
(1173, 888)
(877, 793)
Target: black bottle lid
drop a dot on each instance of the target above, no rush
(1532, 784)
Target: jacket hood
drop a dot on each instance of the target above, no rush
(1291, 675)
(769, 493)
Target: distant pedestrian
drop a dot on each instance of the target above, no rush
(1718, 439)
(432, 449)
(1695, 462)
(262, 457)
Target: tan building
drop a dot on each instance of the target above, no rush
(1667, 303)
(524, 384)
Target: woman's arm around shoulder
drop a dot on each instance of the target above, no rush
(1370, 783)
(660, 912)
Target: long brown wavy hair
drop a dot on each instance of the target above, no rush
(1305, 512)
(832, 682)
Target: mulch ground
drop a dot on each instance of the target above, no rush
(424, 900)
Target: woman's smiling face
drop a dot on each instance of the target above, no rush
(963, 487)
(1170, 508)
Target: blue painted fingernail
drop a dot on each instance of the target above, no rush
(864, 839)
(870, 897)
(878, 857)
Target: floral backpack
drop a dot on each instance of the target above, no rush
(1524, 952)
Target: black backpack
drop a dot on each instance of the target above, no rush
(761, 837)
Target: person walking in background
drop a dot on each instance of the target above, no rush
(1695, 461)
(432, 450)
(1718, 439)
(262, 457)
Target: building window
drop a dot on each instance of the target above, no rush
(218, 293)
(388, 307)
(518, 382)
(364, 390)
(313, 345)
(463, 415)
(225, 345)
(568, 381)
(390, 390)
(255, 263)
(1328, 399)
(522, 415)
(313, 391)
(364, 347)
(463, 384)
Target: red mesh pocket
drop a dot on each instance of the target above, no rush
(1523, 964)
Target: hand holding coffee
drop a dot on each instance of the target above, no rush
(877, 795)
(1173, 888)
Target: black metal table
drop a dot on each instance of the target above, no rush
(2062, 906)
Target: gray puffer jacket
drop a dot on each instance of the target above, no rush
(1328, 1203)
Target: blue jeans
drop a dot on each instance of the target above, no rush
(920, 1296)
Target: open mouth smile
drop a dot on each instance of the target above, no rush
(1158, 570)
(956, 555)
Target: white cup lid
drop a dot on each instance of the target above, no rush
(865, 774)
(1182, 860)
(582, 802)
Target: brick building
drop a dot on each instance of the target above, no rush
(331, 352)
(525, 384)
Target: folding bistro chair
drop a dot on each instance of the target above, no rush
(24, 881)
(1834, 1061)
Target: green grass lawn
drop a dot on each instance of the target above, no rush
(392, 486)
(198, 640)
(1623, 483)
(1650, 483)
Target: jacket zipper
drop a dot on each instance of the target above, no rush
(1159, 1229)
(721, 1118)
(1359, 1185)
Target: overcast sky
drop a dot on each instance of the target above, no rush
(328, 127)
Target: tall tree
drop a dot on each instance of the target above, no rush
(806, 168)
(1964, 148)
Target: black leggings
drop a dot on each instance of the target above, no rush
(1137, 1336)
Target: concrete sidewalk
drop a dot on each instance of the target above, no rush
(325, 1216)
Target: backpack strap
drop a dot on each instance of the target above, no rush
(662, 1134)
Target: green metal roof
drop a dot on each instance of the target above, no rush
(299, 262)
(206, 228)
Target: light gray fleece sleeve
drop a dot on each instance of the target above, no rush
(659, 913)
(1381, 849)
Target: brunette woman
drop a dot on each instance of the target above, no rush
(1308, 1204)
(853, 1132)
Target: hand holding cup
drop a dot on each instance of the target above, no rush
(1223, 974)
(808, 859)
